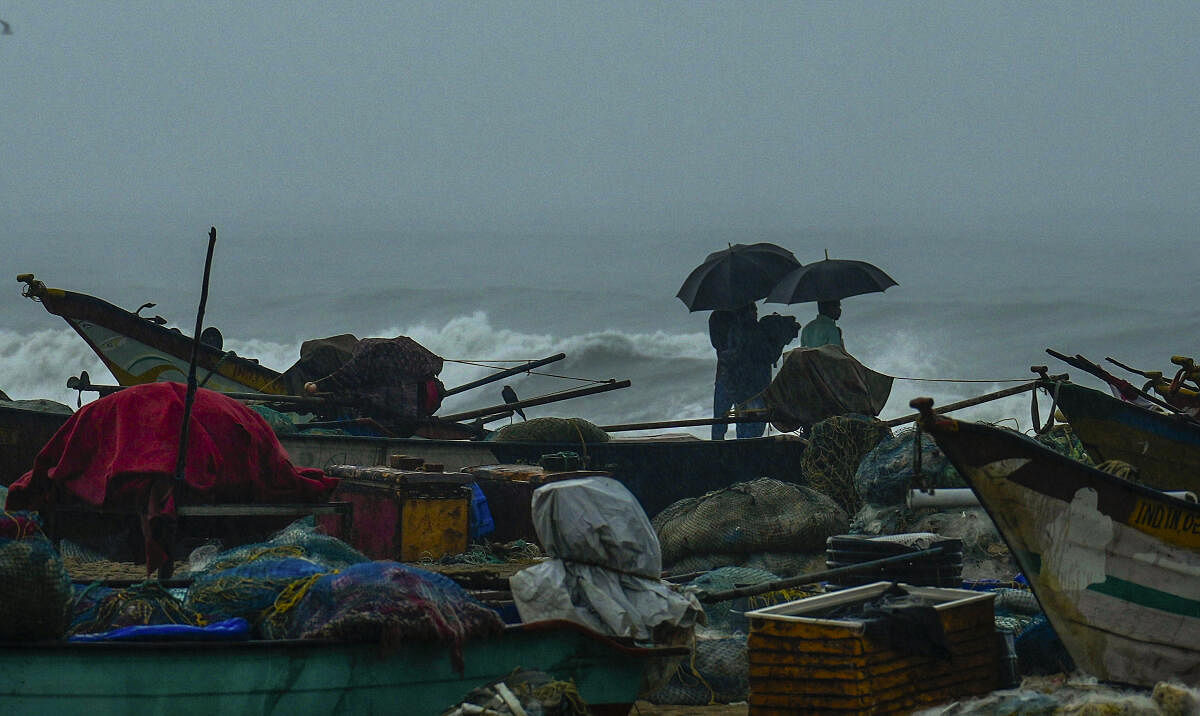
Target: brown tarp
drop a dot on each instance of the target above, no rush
(818, 383)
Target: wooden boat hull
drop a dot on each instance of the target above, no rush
(1164, 448)
(657, 471)
(298, 677)
(23, 432)
(1115, 565)
(137, 350)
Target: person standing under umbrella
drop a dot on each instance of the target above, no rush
(746, 349)
(823, 330)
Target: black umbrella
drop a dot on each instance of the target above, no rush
(733, 277)
(829, 280)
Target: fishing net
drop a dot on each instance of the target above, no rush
(835, 449)
(885, 474)
(718, 672)
(1062, 438)
(985, 554)
(138, 605)
(762, 515)
(784, 564)
(551, 430)
(535, 691)
(248, 590)
(728, 616)
(384, 602)
(279, 422)
(299, 539)
(35, 590)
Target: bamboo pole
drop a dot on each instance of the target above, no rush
(523, 368)
(541, 400)
(812, 577)
(1015, 390)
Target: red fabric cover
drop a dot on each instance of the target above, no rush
(120, 451)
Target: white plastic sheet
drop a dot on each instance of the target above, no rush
(605, 567)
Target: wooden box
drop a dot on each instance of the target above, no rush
(802, 662)
(409, 516)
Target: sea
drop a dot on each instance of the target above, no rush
(978, 302)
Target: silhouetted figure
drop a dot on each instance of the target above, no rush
(510, 396)
(746, 349)
(5, 28)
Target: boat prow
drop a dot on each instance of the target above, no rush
(1115, 565)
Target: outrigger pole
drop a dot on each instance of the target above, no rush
(181, 458)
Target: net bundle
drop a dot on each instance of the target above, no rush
(248, 590)
(35, 590)
(835, 449)
(886, 473)
(101, 609)
(299, 540)
(763, 515)
(386, 602)
(552, 430)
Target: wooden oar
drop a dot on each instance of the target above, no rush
(682, 423)
(813, 577)
(541, 400)
(1015, 390)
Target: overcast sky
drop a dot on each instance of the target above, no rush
(490, 116)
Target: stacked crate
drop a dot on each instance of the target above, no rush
(802, 662)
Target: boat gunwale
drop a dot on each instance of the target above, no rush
(625, 645)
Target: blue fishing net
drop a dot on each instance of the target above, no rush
(248, 590)
(35, 590)
(385, 602)
(101, 609)
(299, 540)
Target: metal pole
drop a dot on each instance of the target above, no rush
(181, 458)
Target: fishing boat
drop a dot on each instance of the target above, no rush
(309, 677)
(1115, 565)
(658, 470)
(137, 349)
(25, 426)
(1164, 447)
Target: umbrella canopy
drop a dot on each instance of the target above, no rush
(829, 280)
(733, 277)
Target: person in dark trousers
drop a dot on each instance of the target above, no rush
(746, 349)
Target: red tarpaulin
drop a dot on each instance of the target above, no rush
(120, 451)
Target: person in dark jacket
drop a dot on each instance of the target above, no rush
(746, 349)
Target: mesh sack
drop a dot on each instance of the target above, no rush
(835, 449)
(885, 474)
(762, 515)
(248, 590)
(35, 589)
(386, 602)
(717, 673)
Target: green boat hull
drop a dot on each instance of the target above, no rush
(299, 677)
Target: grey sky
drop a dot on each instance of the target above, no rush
(598, 116)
